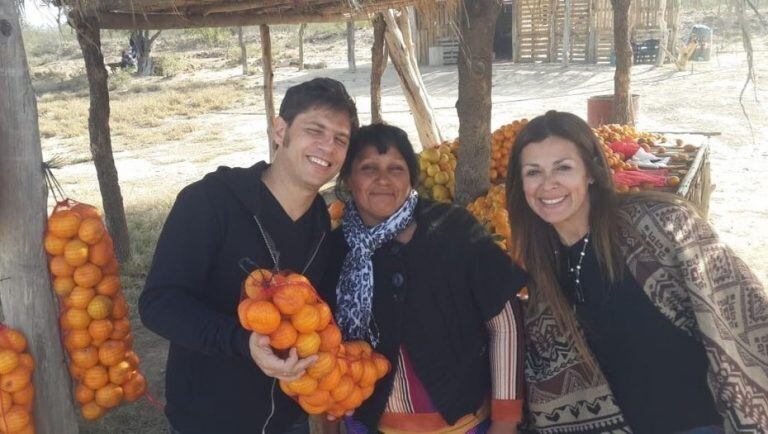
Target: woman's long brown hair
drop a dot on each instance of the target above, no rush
(535, 241)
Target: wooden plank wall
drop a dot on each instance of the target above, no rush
(430, 30)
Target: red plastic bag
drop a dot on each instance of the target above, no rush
(634, 178)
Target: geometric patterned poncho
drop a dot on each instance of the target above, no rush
(700, 285)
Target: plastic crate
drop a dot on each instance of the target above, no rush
(645, 52)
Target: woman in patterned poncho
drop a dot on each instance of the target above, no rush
(640, 319)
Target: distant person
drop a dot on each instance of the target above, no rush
(126, 61)
(221, 378)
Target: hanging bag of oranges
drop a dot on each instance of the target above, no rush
(286, 307)
(17, 392)
(94, 323)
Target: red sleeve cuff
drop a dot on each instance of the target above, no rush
(509, 410)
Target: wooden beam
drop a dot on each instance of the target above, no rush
(592, 33)
(25, 286)
(351, 46)
(268, 86)
(378, 65)
(111, 20)
(89, 38)
(552, 23)
(567, 32)
(410, 80)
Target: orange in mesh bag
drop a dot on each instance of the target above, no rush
(286, 307)
(16, 390)
(95, 328)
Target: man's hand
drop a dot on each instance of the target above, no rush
(502, 427)
(284, 369)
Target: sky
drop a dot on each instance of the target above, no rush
(39, 15)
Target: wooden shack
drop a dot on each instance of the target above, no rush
(538, 30)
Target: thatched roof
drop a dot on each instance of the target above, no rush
(163, 14)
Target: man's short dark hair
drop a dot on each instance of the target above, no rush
(321, 92)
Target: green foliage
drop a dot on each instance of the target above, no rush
(120, 79)
(169, 65)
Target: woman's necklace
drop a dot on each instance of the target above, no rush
(576, 271)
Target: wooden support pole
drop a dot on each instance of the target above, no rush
(552, 23)
(477, 25)
(89, 38)
(516, 23)
(661, 19)
(25, 286)
(351, 46)
(302, 27)
(623, 113)
(592, 33)
(243, 51)
(410, 80)
(378, 65)
(268, 86)
(567, 32)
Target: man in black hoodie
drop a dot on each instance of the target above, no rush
(220, 378)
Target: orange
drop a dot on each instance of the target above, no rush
(309, 408)
(330, 338)
(95, 378)
(284, 336)
(358, 348)
(102, 253)
(109, 285)
(14, 420)
(135, 387)
(242, 308)
(132, 358)
(325, 316)
(6, 401)
(25, 395)
(336, 210)
(76, 372)
(87, 275)
(256, 282)
(100, 329)
(77, 338)
(121, 326)
(86, 211)
(325, 363)
(60, 268)
(330, 381)
(382, 364)
(303, 385)
(92, 411)
(369, 374)
(343, 364)
(306, 319)
(119, 373)
(63, 285)
(9, 360)
(307, 344)
(128, 339)
(15, 380)
(289, 299)
(119, 307)
(30, 428)
(76, 253)
(100, 307)
(343, 389)
(284, 386)
(83, 395)
(317, 398)
(26, 361)
(356, 370)
(263, 317)
(336, 410)
(354, 399)
(111, 352)
(85, 358)
(91, 230)
(79, 297)
(112, 267)
(76, 318)
(109, 396)
(64, 224)
(366, 392)
(54, 245)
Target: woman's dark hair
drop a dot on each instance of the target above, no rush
(319, 92)
(381, 136)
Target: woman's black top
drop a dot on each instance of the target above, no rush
(656, 371)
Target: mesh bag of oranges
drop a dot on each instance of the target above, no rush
(95, 328)
(17, 392)
(286, 307)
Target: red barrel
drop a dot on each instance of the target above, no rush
(600, 109)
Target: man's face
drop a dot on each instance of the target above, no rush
(312, 148)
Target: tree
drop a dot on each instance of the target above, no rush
(302, 27)
(25, 286)
(351, 46)
(243, 52)
(477, 25)
(142, 42)
(622, 102)
(379, 57)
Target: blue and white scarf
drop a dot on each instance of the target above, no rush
(354, 292)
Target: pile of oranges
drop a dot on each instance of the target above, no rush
(491, 210)
(94, 314)
(16, 390)
(437, 169)
(336, 211)
(501, 145)
(285, 307)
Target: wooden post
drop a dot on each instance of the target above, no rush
(516, 24)
(477, 24)
(269, 101)
(674, 25)
(89, 38)
(623, 113)
(378, 65)
(302, 27)
(592, 33)
(664, 37)
(567, 33)
(243, 52)
(25, 286)
(351, 46)
(410, 80)
(552, 22)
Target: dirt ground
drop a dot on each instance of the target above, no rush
(703, 98)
